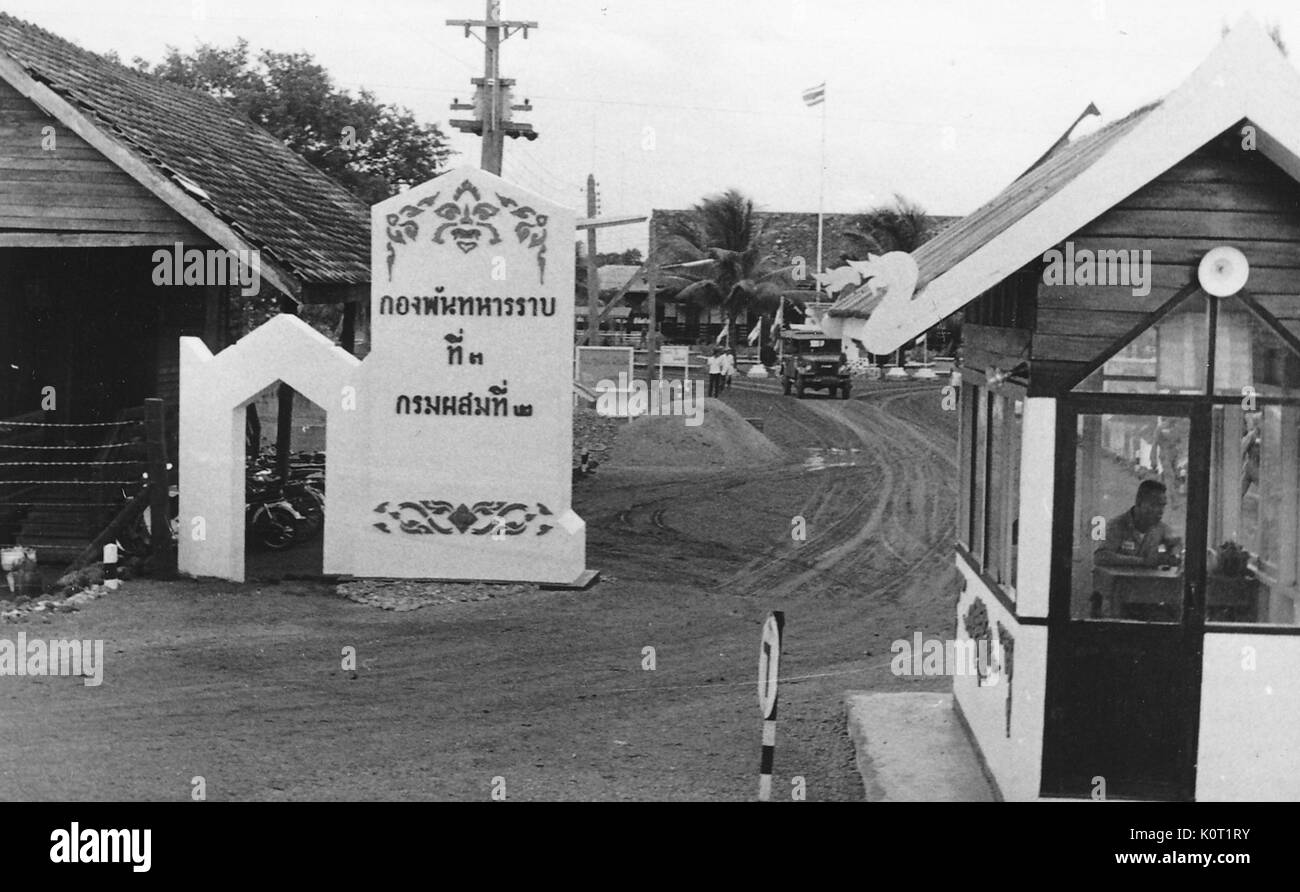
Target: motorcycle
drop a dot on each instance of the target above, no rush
(270, 518)
(281, 513)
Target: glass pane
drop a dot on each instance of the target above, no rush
(1015, 425)
(1169, 357)
(980, 470)
(1130, 517)
(994, 509)
(1254, 515)
(1001, 536)
(1249, 353)
(967, 438)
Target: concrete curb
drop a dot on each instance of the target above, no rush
(911, 748)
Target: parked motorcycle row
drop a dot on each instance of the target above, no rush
(277, 514)
(282, 513)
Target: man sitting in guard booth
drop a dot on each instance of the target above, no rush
(1134, 538)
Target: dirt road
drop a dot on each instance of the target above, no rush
(546, 692)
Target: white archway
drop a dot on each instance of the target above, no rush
(214, 391)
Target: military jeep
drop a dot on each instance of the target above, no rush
(811, 361)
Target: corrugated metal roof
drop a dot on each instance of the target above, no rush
(307, 222)
(961, 239)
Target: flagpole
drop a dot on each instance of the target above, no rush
(821, 198)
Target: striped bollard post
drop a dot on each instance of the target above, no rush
(769, 662)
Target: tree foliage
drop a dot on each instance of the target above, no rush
(902, 225)
(369, 147)
(742, 279)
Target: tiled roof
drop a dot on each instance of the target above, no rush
(278, 202)
(961, 239)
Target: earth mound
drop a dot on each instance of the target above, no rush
(723, 439)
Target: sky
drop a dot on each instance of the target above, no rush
(941, 101)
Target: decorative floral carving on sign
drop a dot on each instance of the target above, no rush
(402, 227)
(466, 221)
(530, 230)
(496, 519)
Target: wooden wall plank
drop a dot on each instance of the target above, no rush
(1103, 299)
(1189, 251)
(13, 239)
(167, 228)
(1172, 195)
(74, 187)
(1244, 225)
(1212, 198)
(1047, 346)
(1073, 321)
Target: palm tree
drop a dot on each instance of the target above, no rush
(741, 279)
(901, 226)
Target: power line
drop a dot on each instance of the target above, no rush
(794, 113)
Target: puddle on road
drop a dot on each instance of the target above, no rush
(820, 458)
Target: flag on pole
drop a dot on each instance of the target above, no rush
(815, 95)
(721, 335)
(779, 320)
(754, 333)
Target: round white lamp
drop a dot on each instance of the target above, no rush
(1223, 271)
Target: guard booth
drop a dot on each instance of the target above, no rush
(1132, 323)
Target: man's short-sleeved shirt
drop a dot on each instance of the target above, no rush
(1123, 537)
(715, 365)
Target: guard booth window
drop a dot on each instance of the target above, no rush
(1251, 383)
(989, 510)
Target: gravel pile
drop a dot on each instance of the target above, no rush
(594, 433)
(401, 594)
(724, 439)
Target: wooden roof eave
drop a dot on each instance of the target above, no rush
(1245, 77)
(167, 191)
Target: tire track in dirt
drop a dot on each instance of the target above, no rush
(845, 509)
(860, 521)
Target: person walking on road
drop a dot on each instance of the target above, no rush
(716, 365)
(728, 367)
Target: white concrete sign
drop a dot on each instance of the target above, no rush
(469, 385)
(451, 457)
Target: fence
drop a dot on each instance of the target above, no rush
(60, 481)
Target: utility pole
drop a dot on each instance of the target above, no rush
(593, 274)
(493, 98)
(651, 306)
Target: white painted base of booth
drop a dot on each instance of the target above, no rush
(912, 748)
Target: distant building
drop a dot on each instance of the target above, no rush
(787, 235)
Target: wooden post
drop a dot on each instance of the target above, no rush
(284, 416)
(284, 432)
(160, 545)
(652, 325)
(213, 297)
(593, 274)
(124, 517)
(115, 528)
(349, 335)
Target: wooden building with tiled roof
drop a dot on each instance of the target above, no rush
(100, 167)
